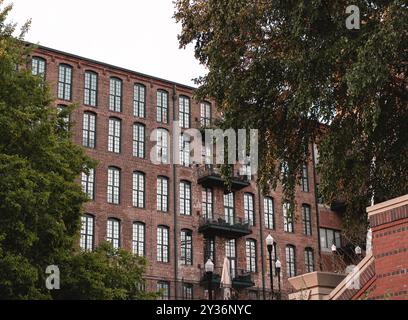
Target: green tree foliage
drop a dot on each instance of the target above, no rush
(291, 68)
(40, 197)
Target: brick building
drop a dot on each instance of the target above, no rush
(177, 216)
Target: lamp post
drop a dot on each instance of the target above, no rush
(278, 269)
(334, 250)
(269, 245)
(209, 270)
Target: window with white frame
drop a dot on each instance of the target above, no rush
(64, 82)
(113, 232)
(184, 144)
(88, 183)
(138, 189)
(186, 255)
(184, 112)
(138, 239)
(249, 208)
(162, 244)
(250, 250)
(89, 130)
(162, 106)
(290, 261)
(187, 291)
(304, 181)
(139, 140)
(287, 218)
(113, 192)
(269, 212)
(328, 237)
(231, 254)
(91, 88)
(115, 94)
(162, 194)
(114, 135)
(139, 100)
(163, 287)
(87, 232)
(185, 198)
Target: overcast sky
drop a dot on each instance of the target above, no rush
(140, 35)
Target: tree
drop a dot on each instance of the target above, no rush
(289, 68)
(41, 201)
(105, 274)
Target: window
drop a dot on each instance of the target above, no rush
(229, 213)
(64, 82)
(113, 185)
(184, 112)
(91, 89)
(139, 140)
(87, 232)
(328, 237)
(309, 260)
(269, 212)
(185, 198)
(64, 116)
(89, 130)
(162, 146)
(187, 291)
(184, 150)
(113, 232)
(304, 181)
(88, 183)
(114, 135)
(250, 251)
(115, 95)
(287, 218)
(249, 208)
(290, 261)
(138, 241)
(162, 106)
(230, 253)
(209, 249)
(252, 295)
(307, 219)
(163, 287)
(186, 247)
(207, 203)
(162, 244)
(162, 194)
(138, 191)
(139, 101)
(38, 67)
(205, 112)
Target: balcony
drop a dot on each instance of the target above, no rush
(219, 226)
(241, 279)
(210, 176)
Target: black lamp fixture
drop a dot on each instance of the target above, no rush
(278, 270)
(269, 244)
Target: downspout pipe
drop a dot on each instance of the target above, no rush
(175, 203)
(262, 241)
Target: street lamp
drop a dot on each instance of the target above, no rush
(278, 269)
(269, 245)
(209, 270)
(334, 249)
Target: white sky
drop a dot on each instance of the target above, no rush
(140, 35)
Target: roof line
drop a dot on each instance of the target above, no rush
(113, 66)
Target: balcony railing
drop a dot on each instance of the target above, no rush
(240, 278)
(222, 226)
(210, 176)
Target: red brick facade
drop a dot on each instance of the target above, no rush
(174, 272)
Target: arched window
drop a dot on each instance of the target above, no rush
(138, 239)
(139, 100)
(309, 260)
(87, 232)
(287, 218)
(162, 106)
(88, 183)
(91, 88)
(186, 255)
(185, 198)
(163, 247)
(290, 261)
(162, 194)
(115, 94)
(249, 208)
(38, 66)
(162, 143)
(229, 210)
(250, 252)
(65, 82)
(89, 130)
(207, 203)
(114, 134)
(269, 212)
(205, 112)
(138, 190)
(113, 192)
(113, 232)
(307, 219)
(184, 112)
